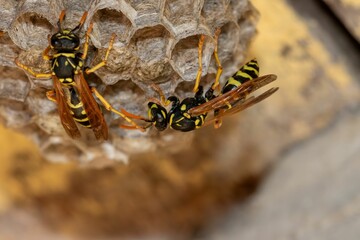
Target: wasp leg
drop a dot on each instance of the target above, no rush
(86, 44)
(31, 72)
(133, 127)
(51, 95)
(218, 121)
(46, 55)
(131, 115)
(198, 75)
(110, 108)
(216, 84)
(164, 102)
(103, 62)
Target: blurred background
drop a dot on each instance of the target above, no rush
(286, 168)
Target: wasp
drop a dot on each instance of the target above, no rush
(73, 95)
(192, 113)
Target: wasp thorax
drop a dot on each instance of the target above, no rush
(65, 40)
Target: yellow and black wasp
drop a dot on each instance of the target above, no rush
(192, 113)
(74, 97)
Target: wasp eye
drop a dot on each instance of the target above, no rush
(54, 42)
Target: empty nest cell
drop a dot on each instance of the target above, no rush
(30, 30)
(107, 21)
(185, 56)
(178, 12)
(148, 12)
(151, 46)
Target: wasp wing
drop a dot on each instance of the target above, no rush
(92, 109)
(66, 119)
(240, 106)
(231, 97)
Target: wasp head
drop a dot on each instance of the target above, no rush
(65, 40)
(157, 115)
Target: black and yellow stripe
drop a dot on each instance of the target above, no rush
(77, 108)
(247, 72)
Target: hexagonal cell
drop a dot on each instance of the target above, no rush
(212, 8)
(179, 12)
(216, 13)
(151, 44)
(148, 11)
(33, 22)
(107, 21)
(77, 8)
(184, 57)
(7, 11)
(14, 84)
(8, 51)
(226, 49)
(120, 65)
(157, 72)
(30, 29)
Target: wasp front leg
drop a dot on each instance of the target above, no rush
(31, 72)
(103, 62)
(122, 114)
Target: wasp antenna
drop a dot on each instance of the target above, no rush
(61, 18)
(81, 23)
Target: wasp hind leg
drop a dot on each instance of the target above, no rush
(124, 114)
(103, 62)
(216, 85)
(198, 75)
(51, 95)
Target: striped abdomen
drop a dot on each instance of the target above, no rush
(77, 110)
(247, 72)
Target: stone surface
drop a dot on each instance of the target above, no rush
(348, 12)
(312, 193)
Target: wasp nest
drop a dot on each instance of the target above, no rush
(156, 41)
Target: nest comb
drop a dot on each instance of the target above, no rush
(156, 42)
